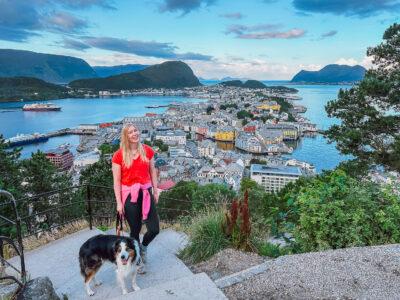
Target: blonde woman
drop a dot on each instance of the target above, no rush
(134, 178)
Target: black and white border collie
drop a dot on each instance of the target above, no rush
(122, 251)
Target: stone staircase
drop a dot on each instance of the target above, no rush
(167, 277)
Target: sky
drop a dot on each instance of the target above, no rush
(257, 39)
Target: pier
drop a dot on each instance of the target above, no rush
(41, 138)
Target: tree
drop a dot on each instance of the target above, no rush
(10, 176)
(209, 110)
(369, 111)
(41, 176)
(10, 180)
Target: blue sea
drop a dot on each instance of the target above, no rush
(83, 111)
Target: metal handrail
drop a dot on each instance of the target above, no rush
(87, 189)
(19, 235)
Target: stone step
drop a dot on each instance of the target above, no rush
(59, 261)
(193, 287)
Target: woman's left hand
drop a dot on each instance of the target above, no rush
(156, 194)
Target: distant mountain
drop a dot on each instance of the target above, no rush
(233, 78)
(104, 71)
(48, 67)
(254, 84)
(251, 84)
(331, 74)
(170, 74)
(235, 83)
(28, 88)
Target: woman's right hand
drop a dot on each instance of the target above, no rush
(120, 209)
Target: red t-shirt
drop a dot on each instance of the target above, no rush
(139, 171)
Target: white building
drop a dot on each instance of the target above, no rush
(169, 137)
(273, 179)
(206, 148)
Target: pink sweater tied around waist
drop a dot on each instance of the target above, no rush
(133, 190)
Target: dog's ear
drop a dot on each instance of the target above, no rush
(133, 247)
(117, 246)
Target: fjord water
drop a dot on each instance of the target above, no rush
(73, 112)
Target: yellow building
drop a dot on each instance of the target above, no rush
(270, 105)
(226, 134)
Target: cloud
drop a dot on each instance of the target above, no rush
(64, 22)
(22, 19)
(82, 4)
(346, 61)
(360, 8)
(329, 34)
(255, 69)
(140, 48)
(241, 29)
(16, 26)
(289, 34)
(263, 31)
(366, 62)
(236, 16)
(74, 44)
(184, 6)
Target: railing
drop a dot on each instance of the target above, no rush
(37, 214)
(20, 248)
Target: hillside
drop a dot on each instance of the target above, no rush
(171, 74)
(255, 84)
(331, 74)
(251, 84)
(28, 88)
(48, 67)
(106, 71)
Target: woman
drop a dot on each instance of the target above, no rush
(134, 177)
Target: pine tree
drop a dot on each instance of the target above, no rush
(370, 111)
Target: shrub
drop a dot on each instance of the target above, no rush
(337, 211)
(271, 250)
(206, 236)
(237, 226)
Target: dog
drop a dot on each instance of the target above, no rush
(122, 251)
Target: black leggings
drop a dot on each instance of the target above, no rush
(133, 214)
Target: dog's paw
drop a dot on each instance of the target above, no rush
(90, 292)
(124, 292)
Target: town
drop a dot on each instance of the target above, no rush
(232, 133)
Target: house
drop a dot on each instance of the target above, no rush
(226, 134)
(169, 137)
(206, 148)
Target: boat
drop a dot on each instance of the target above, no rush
(26, 139)
(41, 107)
(156, 106)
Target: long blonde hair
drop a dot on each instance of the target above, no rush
(126, 151)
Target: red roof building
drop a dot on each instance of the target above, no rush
(61, 158)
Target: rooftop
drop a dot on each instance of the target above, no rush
(281, 170)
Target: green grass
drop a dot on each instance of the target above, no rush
(102, 227)
(206, 236)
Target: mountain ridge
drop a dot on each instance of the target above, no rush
(52, 68)
(170, 74)
(332, 73)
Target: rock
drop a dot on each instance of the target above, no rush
(7, 291)
(39, 288)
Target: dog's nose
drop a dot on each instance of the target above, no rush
(122, 256)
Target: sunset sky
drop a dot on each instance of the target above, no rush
(259, 39)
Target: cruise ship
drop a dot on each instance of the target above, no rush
(41, 107)
(25, 139)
